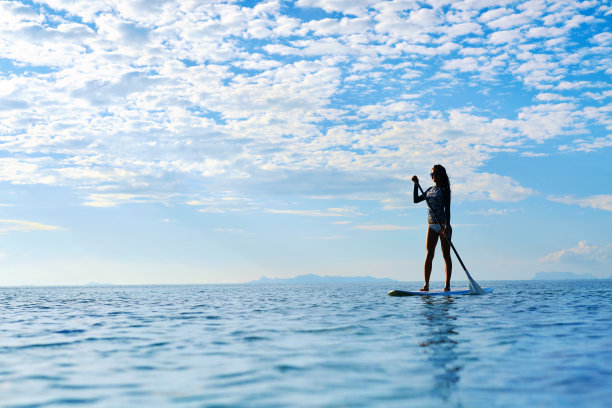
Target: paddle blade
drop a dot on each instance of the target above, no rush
(474, 287)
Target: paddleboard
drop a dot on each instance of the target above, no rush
(437, 292)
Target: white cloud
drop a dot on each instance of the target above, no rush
(577, 20)
(218, 203)
(444, 49)
(583, 252)
(464, 29)
(542, 32)
(24, 171)
(25, 226)
(505, 36)
(598, 96)
(533, 154)
(493, 211)
(423, 17)
(603, 38)
(588, 146)
(473, 51)
(114, 199)
(462, 65)
(494, 14)
(388, 110)
(384, 227)
(344, 27)
(510, 21)
(486, 186)
(548, 97)
(212, 210)
(471, 5)
(545, 121)
(330, 212)
(599, 201)
(567, 85)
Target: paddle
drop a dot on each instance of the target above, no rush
(474, 287)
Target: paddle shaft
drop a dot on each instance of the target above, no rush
(438, 222)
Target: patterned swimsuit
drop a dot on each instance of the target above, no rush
(436, 199)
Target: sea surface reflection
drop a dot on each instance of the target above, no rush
(439, 340)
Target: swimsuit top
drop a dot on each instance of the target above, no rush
(437, 200)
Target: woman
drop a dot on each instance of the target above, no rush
(438, 197)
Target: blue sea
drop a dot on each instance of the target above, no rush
(530, 343)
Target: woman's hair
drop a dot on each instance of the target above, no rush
(443, 177)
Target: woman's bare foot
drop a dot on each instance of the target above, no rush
(425, 288)
(447, 288)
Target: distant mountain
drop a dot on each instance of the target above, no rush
(563, 275)
(312, 278)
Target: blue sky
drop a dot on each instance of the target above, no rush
(219, 141)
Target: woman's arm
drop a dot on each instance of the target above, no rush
(417, 198)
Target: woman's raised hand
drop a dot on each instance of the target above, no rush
(415, 179)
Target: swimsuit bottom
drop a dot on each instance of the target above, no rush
(436, 228)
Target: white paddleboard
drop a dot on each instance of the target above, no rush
(437, 292)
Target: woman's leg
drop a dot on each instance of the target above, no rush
(447, 261)
(432, 241)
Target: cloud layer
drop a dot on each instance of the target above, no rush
(151, 101)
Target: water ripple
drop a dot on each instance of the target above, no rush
(528, 344)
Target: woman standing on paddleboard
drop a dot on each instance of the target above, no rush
(439, 198)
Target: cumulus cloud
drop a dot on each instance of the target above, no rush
(494, 14)
(25, 226)
(510, 21)
(599, 201)
(505, 36)
(587, 146)
(493, 187)
(464, 29)
(583, 252)
(463, 65)
(548, 97)
(599, 95)
(388, 110)
(546, 121)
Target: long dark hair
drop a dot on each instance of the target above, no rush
(443, 177)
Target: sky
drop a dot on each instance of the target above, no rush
(159, 141)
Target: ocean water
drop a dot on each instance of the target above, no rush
(530, 343)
